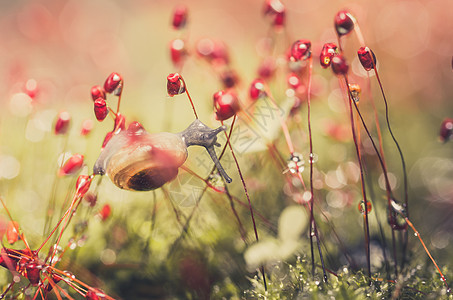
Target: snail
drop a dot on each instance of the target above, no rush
(140, 161)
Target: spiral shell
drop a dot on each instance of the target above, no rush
(142, 161)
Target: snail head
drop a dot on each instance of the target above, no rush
(200, 134)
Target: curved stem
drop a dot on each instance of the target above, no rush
(310, 161)
(190, 98)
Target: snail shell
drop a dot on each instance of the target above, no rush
(142, 161)
(137, 160)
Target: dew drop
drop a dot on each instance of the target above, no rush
(295, 163)
(313, 158)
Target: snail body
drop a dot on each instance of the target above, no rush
(137, 160)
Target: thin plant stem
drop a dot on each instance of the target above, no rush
(190, 98)
(417, 234)
(362, 178)
(311, 162)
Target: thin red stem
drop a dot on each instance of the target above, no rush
(190, 98)
(417, 234)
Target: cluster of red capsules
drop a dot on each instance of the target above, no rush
(43, 274)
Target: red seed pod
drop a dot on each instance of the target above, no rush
(114, 84)
(72, 165)
(62, 124)
(12, 234)
(344, 22)
(94, 294)
(361, 207)
(275, 11)
(329, 50)
(446, 130)
(226, 105)
(179, 17)
(293, 81)
(100, 109)
(367, 58)
(301, 50)
(31, 88)
(177, 52)
(105, 212)
(97, 92)
(135, 128)
(267, 68)
(175, 84)
(257, 89)
(83, 184)
(87, 126)
(32, 273)
(339, 65)
(229, 78)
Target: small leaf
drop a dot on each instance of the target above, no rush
(261, 253)
(292, 222)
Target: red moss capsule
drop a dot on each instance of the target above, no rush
(275, 11)
(177, 52)
(293, 81)
(339, 65)
(179, 17)
(329, 50)
(33, 271)
(229, 78)
(344, 22)
(97, 92)
(92, 295)
(367, 58)
(105, 212)
(175, 85)
(31, 88)
(100, 109)
(226, 105)
(62, 124)
(114, 84)
(267, 68)
(301, 50)
(446, 130)
(257, 89)
(83, 184)
(72, 165)
(87, 126)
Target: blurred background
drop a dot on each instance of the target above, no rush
(53, 52)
